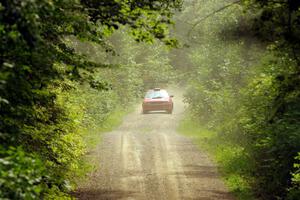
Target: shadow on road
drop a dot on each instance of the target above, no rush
(102, 194)
(198, 171)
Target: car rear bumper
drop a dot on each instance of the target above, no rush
(157, 107)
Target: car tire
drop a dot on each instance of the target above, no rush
(170, 111)
(144, 112)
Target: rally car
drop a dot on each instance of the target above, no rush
(157, 100)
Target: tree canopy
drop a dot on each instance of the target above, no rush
(35, 57)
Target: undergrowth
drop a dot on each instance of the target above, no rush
(92, 138)
(230, 158)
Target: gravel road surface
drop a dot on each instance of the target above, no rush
(145, 158)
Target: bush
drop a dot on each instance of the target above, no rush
(294, 191)
(22, 176)
(249, 92)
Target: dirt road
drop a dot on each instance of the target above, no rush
(146, 159)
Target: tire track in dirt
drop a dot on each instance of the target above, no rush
(146, 159)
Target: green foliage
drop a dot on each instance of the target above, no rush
(248, 90)
(221, 63)
(40, 71)
(270, 113)
(275, 133)
(145, 66)
(25, 176)
(147, 19)
(19, 170)
(230, 157)
(294, 191)
(151, 63)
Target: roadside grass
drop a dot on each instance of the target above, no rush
(230, 158)
(92, 137)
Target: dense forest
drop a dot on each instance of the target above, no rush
(69, 66)
(242, 72)
(58, 83)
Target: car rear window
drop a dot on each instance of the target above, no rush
(156, 94)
